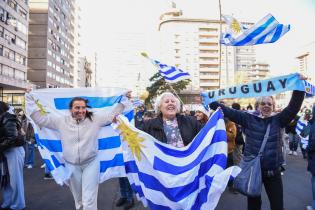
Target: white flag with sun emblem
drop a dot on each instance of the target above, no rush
(267, 30)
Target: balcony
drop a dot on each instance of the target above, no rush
(209, 77)
(12, 83)
(214, 47)
(210, 39)
(209, 84)
(210, 62)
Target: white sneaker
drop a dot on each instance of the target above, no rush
(43, 166)
(309, 208)
(290, 153)
(295, 153)
(29, 166)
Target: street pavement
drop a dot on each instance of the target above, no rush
(47, 195)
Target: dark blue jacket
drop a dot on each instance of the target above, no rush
(255, 128)
(311, 145)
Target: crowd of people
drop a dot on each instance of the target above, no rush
(245, 130)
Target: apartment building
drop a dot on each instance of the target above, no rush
(52, 43)
(14, 16)
(255, 72)
(306, 61)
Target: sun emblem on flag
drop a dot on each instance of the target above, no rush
(307, 89)
(235, 26)
(132, 138)
(41, 108)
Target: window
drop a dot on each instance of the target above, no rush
(18, 58)
(1, 31)
(23, 13)
(19, 75)
(7, 71)
(21, 43)
(21, 27)
(1, 50)
(11, 55)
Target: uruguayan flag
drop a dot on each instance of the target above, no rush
(56, 101)
(267, 30)
(137, 102)
(171, 74)
(166, 177)
(301, 124)
(309, 88)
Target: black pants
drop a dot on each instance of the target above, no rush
(230, 162)
(274, 189)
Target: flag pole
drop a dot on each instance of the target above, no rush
(174, 91)
(170, 86)
(220, 48)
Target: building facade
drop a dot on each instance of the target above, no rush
(14, 15)
(52, 42)
(306, 60)
(253, 73)
(86, 72)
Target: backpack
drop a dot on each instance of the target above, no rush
(6, 143)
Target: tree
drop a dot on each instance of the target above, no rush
(159, 86)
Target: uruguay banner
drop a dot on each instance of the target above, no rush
(265, 87)
(166, 177)
(56, 102)
(267, 30)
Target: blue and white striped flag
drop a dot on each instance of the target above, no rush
(137, 102)
(267, 30)
(301, 124)
(309, 89)
(56, 101)
(171, 74)
(166, 177)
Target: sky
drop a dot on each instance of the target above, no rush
(101, 21)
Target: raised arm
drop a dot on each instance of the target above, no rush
(236, 116)
(311, 142)
(40, 118)
(292, 109)
(105, 116)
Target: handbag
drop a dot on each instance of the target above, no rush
(249, 181)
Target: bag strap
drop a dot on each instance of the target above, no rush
(264, 141)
